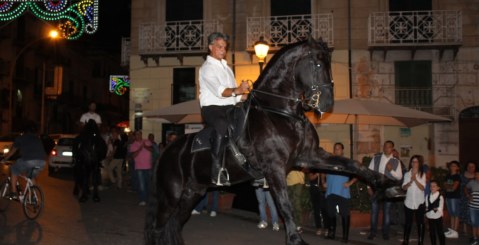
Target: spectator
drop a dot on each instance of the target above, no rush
(170, 137)
(472, 191)
(453, 197)
(384, 163)
(204, 203)
(295, 185)
(414, 183)
(155, 152)
(264, 198)
(141, 152)
(131, 162)
(338, 195)
(434, 213)
(464, 215)
(90, 114)
(116, 162)
(318, 200)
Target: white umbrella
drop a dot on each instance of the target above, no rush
(185, 112)
(356, 111)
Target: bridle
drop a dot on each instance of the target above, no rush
(313, 101)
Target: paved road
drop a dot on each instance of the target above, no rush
(118, 220)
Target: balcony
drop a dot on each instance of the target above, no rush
(280, 31)
(412, 30)
(175, 39)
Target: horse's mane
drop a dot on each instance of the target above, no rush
(285, 54)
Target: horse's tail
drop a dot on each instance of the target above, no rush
(162, 224)
(169, 233)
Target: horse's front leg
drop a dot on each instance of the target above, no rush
(96, 180)
(278, 188)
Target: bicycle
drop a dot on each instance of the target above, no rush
(32, 198)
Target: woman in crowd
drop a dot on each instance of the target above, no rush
(414, 183)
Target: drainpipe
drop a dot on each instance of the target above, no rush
(350, 74)
(233, 38)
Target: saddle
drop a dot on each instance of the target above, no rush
(236, 119)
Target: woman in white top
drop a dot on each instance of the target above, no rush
(413, 184)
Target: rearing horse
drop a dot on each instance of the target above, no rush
(276, 137)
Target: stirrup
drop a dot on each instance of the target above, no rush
(218, 178)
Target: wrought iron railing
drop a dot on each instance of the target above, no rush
(125, 51)
(176, 36)
(279, 31)
(441, 27)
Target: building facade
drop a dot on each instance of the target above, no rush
(420, 54)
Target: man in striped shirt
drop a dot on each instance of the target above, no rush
(472, 192)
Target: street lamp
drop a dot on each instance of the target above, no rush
(53, 34)
(261, 48)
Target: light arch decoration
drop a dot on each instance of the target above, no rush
(74, 17)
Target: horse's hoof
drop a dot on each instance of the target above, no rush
(96, 199)
(83, 199)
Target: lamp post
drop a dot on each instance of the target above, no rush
(53, 34)
(261, 48)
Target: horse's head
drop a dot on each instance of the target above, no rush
(90, 128)
(313, 74)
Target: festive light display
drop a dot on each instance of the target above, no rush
(119, 84)
(75, 17)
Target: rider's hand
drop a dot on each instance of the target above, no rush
(244, 87)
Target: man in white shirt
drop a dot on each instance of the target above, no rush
(218, 93)
(91, 114)
(384, 163)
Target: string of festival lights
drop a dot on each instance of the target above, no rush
(75, 17)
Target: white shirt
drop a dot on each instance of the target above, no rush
(435, 214)
(90, 115)
(396, 173)
(414, 195)
(215, 77)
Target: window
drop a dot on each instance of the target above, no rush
(414, 84)
(410, 5)
(285, 7)
(184, 86)
(177, 10)
(411, 27)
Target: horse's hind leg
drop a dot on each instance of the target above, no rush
(277, 184)
(169, 208)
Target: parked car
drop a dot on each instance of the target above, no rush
(62, 154)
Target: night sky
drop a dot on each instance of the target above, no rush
(114, 23)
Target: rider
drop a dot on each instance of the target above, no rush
(218, 93)
(32, 154)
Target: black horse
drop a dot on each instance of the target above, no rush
(276, 137)
(89, 150)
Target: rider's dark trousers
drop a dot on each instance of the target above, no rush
(215, 116)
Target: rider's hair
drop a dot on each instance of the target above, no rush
(216, 35)
(339, 143)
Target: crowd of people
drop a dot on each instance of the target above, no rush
(424, 203)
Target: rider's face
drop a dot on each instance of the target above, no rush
(218, 49)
